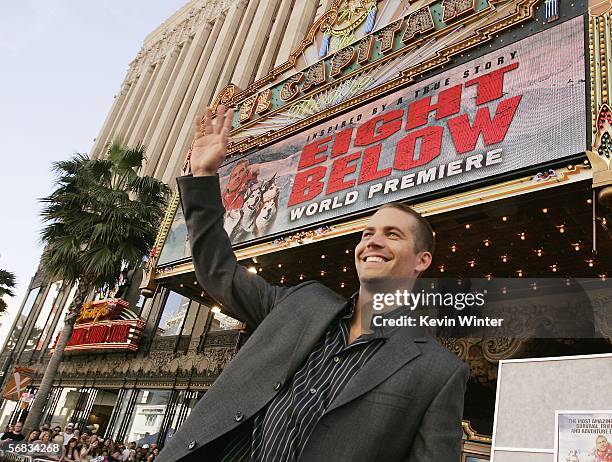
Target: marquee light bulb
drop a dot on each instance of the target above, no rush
(544, 210)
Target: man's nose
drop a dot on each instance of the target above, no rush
(376, 240)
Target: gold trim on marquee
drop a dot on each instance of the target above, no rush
(524, 11)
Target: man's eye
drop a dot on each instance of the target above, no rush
(393, 234)
(364, 235)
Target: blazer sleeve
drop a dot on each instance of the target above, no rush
(243, 295)
(440, 433)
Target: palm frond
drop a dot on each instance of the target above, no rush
(101, 217)
(7, 284)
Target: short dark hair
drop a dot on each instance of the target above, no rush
(425, 238)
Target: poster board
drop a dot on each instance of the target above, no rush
(583, 436)
(531, 391)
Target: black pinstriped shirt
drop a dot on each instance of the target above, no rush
(281, 430)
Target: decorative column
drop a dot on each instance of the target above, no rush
(195, 50)
(299, 22)
(258, 33)
(136, 95)
(99, 147)
(600, 51)
(214, 61)
(276, 35)
(160, 105)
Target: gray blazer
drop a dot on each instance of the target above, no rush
(405, 405)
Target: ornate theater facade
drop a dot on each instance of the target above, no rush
(489, 117)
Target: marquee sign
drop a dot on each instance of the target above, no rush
(517, 107)
(106, 335)
(106, 324)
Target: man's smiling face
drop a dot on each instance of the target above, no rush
(602, 443)
(386, 252)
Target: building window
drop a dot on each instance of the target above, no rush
(6, 411)
(147, 417)
(39, 330)
(21, 320)
(139, 303)
(221, 321)
(66, 405)
(60, 322)
(186, 402)
(173, 314)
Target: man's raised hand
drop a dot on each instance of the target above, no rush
(209, 145)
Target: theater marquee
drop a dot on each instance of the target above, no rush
(517, 107)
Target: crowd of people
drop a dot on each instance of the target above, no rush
(74, 445)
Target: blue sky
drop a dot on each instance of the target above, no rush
(62, 61)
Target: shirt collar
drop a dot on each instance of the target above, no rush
(376, 331)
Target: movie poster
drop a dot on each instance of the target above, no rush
(583, 436)
(516, 107)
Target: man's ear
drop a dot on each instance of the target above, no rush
(424, 261)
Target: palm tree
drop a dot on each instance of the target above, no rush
(7, 284)
(102, 218)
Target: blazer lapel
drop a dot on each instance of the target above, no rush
(393, 354)
(313, 329)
